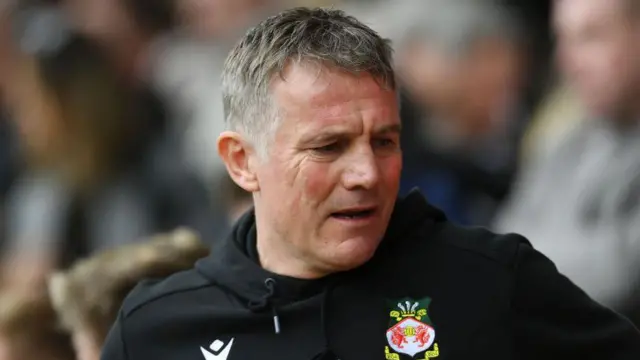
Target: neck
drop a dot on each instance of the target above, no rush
(278, 256)
(274, 260)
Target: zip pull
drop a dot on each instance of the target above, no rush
(271, 286)
(276, 320)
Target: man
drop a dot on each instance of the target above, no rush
(579, 204)
(329, 264)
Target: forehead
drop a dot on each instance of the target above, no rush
(581, 13)
(322, 95)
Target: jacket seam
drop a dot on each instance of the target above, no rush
(505, 263)
(163, 295)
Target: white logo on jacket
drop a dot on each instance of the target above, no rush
(220, 350)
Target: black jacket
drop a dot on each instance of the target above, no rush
(433, 290)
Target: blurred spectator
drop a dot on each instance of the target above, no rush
(177, 49)
(580, 204)
(7, 50)
(219, 19)
(8, 159)
(98, 174)
(88, 297)
(185, 66)
(461, 63)
(8, 166)
(29, 330)
(113, 24)
(555, 117)
(6, 46)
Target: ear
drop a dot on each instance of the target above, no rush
(237, 155)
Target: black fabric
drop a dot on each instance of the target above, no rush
(485, 296)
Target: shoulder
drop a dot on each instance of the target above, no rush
(501, 249)
(153, 291)
(511, 260)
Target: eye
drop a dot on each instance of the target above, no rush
(328, 149)
(384, 143)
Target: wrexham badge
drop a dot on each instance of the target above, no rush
(411, 331)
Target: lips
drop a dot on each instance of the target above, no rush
(354, 213)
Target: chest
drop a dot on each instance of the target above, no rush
(409, 315)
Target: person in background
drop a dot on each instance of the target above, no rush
(185, 63)
(580, 204)
(123, 29)
(87, 297)
(8, 158)
(550, 123)
(6, 46)
(461, 63)
(95, 175)
(29, 329)
(219, 19)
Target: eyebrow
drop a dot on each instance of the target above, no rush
(338, 134)
(324, 137)
(389, 129)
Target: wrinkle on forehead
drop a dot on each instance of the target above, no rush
(309, 103)
(329, 95)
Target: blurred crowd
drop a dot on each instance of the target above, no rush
(520, 116)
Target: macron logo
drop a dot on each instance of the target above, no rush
(220, 350)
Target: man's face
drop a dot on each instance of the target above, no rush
(598, 52)
(330, 180)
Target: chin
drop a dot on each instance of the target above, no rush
(353, 253)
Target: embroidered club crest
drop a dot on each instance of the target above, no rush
(411, 331)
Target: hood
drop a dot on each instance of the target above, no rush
(234, 263)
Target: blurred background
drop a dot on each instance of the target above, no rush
(519, 115)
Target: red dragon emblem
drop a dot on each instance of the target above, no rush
(398, 338)
(422, 335)
(410, 330)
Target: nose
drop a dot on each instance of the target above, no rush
(361, 171)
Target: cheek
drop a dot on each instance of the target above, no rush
(390, 170)
(295, 184)
(317, 182)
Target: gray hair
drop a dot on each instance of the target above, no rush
(324, 36)
(454, 26)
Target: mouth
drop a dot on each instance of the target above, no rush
(354, 214)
